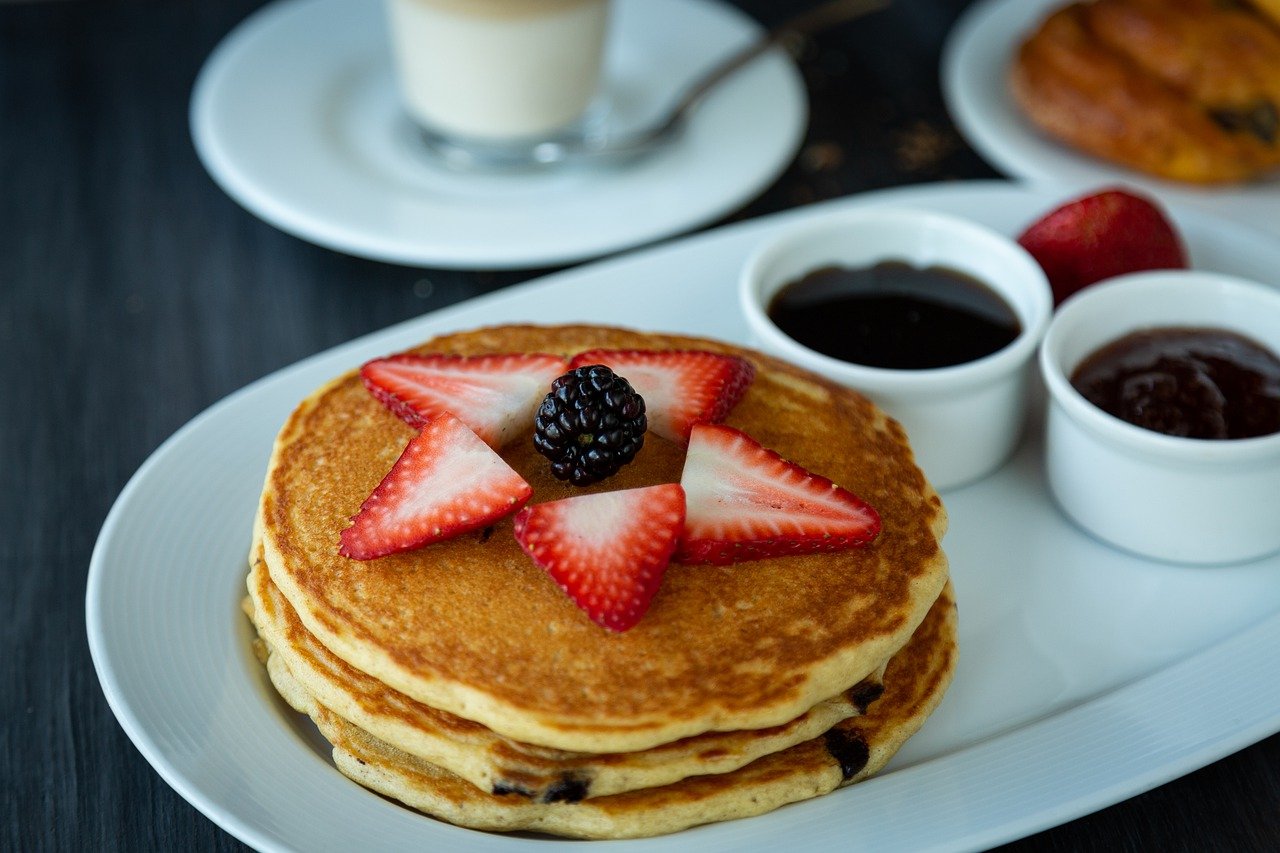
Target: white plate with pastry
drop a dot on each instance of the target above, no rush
(975, 80)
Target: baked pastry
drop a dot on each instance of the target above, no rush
(1182, 89)
(1269, 9)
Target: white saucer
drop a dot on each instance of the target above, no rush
(295, 116)
(975, 65)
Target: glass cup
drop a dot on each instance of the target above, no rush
(496, 76)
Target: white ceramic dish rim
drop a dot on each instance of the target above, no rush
(1089, 755)
(1194, 284)
(954, 380)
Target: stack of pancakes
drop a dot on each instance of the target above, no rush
(460, 680)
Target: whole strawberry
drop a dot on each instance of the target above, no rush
(1099, 236)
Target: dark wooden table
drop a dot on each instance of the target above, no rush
(133, 294)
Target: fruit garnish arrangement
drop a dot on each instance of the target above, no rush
(589, 415)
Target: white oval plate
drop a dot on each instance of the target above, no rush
(296, 116)
(1082, 674)
(975, 63)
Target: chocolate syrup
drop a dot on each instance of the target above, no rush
(1189, 382)
(895, 315)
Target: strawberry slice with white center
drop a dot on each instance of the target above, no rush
(608, 551)
(446, 482)
(495, 395)
(680, 387)
(745, 502)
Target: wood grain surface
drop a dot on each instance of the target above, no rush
(134, 293)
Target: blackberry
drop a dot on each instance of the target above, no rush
(590, 425)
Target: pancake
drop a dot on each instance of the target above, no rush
(915, 681)
(472, 627)
(495, 764)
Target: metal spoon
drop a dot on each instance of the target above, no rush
(586, 147)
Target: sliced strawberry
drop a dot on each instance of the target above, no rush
(680, 387)
(746, 502)
(445, 483)
(495, 395)
(608, 551)
(1100, 236)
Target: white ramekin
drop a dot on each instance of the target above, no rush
(964, 420)
(1177, 499)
